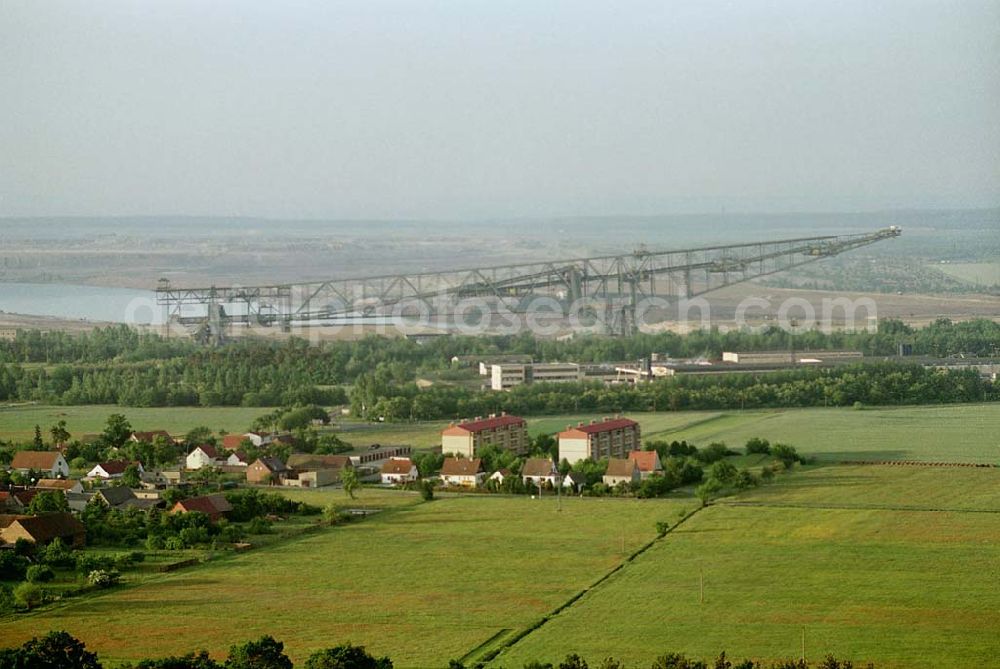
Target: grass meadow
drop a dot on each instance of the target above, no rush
(900, 588)
(18, 421)
(978, 273)
(951, 433)
(421, 582)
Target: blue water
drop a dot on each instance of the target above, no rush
(86, 303)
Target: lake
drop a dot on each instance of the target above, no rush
(75, 302)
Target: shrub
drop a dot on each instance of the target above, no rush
(174, 544)
(758, 445)
(661, 527)
(103, 579)
(713, 452)
(426, 491)
(57, 554)
(39, 573)
(6, 599)
(724, 472)
(259, 526)
(28, 595)
(12, 566)
(347, 656)
(573, 661)
(785, 454)
(707, 490)
(746, 479)
(86, 563)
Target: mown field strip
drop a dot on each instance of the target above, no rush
(906, 587)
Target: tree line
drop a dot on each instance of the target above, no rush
(886, 383)
(60, 650)
(119, 366)
(346, 359)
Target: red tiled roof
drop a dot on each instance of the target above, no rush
(620, 467)
(209, 450)
(48, 526)
(647, 461)
(606, 425)
(56, 484)
(232, 442)
(273, 465)
(397, 466)
(490, 423)
(34, 460)
(307, 461)
(149, 437)
(24, 497)
(113, 467)
(538, 467)
(208, 504)
(461, 467)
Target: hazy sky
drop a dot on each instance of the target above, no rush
(409, 108)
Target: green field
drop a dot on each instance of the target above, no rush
(978, 273)
(948, 433)
(18, 421)
(900, 588)
(422, 583)
(952, 433)
(886, 486)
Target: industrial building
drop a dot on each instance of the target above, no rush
(789, 357)
(467, 439)
(505, 377)
(609, 438)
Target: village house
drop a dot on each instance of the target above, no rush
(43, 529)
(113, 469)
(50, 463)
(258, 439)
(509, 433)
(234, 442)
(214, 506)
(311, 461)
(648, 463)
(499, 476)
(150, 437)
(266, 470)
(621, 470)
(396, 471)
(78, 501)
(62, 485)
(574, 481)
(609, 438)
(205, 455)
(236, 459)
(539, 472)
(114, 496)
(467, 473)
(20, 500)
(313, 471)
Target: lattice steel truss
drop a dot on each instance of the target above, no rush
(609, 286)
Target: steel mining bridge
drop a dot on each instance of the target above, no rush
(608, 287)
